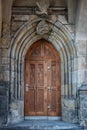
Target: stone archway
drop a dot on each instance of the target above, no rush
(62, 40)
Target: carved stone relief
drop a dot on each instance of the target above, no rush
(42, 28)
(5, 35)
(43, 6)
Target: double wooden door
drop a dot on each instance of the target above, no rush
(42, 80)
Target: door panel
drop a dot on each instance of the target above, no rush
(52, 83)
(40, 90)
(42, 80)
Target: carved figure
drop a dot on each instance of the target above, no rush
(43, 6)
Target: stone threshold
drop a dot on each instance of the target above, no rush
(43, 118)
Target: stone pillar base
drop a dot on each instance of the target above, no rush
(16, 113)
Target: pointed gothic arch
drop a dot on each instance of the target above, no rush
(61, 39)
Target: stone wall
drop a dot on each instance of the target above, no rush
(16, 112)
(4, 74)
(14, 44)
(82, 104)
(70, 112)
(62, 37)
(4, 102)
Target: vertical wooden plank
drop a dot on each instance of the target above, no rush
(45, 87)
(40, 88)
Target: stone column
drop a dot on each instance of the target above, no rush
(4, 73)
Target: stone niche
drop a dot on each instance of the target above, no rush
(3, 102)
(83, 105)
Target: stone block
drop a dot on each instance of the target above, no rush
(82, 93)
(6, 76)
(81, 63)
(20, 18)
(81, 48)
(4, 67)
(32, 17)
(75, 64)
(1, 76)
(4, 53)
(16, 111)
(3, 102)
(5, 60)
(81, 76)
(74, 76)
(71, 29)
(62, 19)
(15, 26)
(69, 112)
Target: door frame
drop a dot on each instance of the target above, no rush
(61, 38)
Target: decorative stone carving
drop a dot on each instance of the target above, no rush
(43, 6)
(42, 28)
(5, 35)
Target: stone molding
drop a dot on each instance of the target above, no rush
(42, 27)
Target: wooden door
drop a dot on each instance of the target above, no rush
(42, 80)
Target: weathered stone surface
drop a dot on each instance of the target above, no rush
(4, 52)
(15, 26)
(83, 105)
(20, 18)
(43, 125)
(62, 19)
(5, 39)
(5, 61)
(42, 28)
(70, 111)
(81, 47)
(81, 77)
(81, 63)
(73, 67)
(3, 102)
(16, 111)
(6, 76)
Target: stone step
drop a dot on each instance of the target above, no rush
(43, 125)
(41, 128)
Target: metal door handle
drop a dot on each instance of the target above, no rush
(35, 87)
(49, 88)
(49, 106)
(27, 87)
